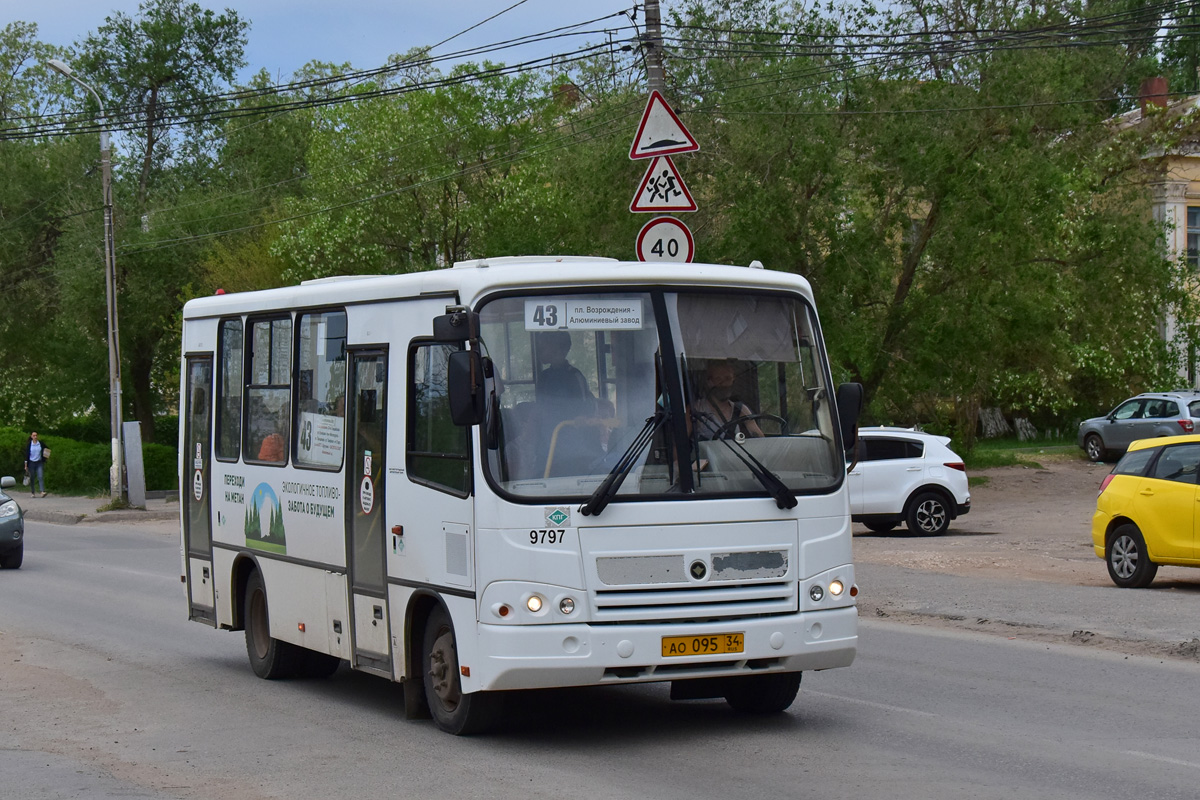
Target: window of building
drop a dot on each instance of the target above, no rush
(1193, 237)
(438, 451)
(321, 390)
(269, 390)
(229, 391)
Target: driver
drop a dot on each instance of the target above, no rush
(717, 411)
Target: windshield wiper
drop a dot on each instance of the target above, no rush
(616, 476)
(783, 496)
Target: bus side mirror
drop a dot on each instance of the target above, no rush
(464, 385)
(849, 406)
(457, 325)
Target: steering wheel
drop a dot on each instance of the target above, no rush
(783, 424)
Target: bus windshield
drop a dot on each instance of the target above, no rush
(738, 378)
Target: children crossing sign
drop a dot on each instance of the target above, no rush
(662, 189)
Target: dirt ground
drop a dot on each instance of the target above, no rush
(1024, 521)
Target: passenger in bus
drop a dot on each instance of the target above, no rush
(560, 384)
(717, 410)
(272, 449)
(569, 440)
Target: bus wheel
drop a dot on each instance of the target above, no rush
(454, 712)
(270, 658)
(763, 694)
(317, 665)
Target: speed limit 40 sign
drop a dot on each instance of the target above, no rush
(665, 239)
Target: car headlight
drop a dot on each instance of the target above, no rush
(9, 509)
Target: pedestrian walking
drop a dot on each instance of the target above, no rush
(36, 454)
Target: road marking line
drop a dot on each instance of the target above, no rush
(871, 704)
(1164, 759)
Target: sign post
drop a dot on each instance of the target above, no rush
(660, 135)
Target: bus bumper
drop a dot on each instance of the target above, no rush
(544, 656)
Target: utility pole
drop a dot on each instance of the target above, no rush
(116, 476)
(652, 47)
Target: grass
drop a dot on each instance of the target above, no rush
(1011, 453)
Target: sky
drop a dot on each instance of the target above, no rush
(286, 34)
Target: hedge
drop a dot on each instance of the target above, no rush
(78, 467)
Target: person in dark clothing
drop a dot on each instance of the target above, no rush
(36, 453)
(560, 382)
(563, 396)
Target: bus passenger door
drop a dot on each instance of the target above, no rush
(365, 471)
(197, 519)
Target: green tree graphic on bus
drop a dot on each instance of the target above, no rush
(264, 521)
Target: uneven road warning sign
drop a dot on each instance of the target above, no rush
(662, 189)
(665, 239)
(660, 132)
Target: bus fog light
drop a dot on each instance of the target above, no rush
(816, 593)
(566, 605)
(534, 603)
(836, 588)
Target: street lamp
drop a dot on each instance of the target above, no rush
(116, 473)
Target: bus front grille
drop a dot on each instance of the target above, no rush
(686, 603)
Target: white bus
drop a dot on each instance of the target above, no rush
(521, 473)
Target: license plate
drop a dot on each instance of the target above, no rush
(703, 645)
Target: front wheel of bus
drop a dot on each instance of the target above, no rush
(763, 694)
(269, 657)
(453, 711)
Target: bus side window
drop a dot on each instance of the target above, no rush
(229, 391)
(269, 390)
(438, 451)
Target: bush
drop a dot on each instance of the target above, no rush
(82, 467)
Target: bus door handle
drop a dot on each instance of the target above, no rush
(377, 613)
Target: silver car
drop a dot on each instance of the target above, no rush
(1147, 416)
(12, 528)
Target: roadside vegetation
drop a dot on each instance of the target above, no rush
(946, 175)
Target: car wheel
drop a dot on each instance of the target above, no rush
(13, 560)
(453, 711)
(1129, 564)
(269, 657)
(928, 514)
(879, 527)
(763, 694)
(1093, 445)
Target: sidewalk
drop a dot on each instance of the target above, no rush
(69, 510)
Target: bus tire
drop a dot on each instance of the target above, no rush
(453, 711)
(269, 658)
(763, 694)
(317, 665)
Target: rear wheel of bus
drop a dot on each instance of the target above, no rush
(763, 694)
(452, 710)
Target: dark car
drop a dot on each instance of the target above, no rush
(12, 528)
(1147, 416)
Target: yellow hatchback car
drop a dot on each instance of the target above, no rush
(1146, 513)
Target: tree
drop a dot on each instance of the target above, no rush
(160, 72)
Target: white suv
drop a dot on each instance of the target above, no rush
(910, 476)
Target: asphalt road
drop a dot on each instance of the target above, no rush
(108, 692)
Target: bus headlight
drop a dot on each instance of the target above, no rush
(836, 588)
(816, 592)
(566, 605)
(534, 603)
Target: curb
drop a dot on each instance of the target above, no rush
(124, 515)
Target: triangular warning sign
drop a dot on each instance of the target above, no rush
(662, 189)
(660, 132)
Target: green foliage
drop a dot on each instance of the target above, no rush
(82, 467)
(977, 230)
